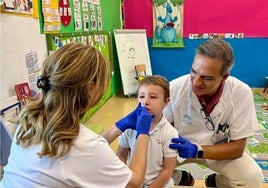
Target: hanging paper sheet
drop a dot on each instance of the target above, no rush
(168, 23)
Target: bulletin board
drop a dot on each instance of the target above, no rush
(132, 49)
(92, 15)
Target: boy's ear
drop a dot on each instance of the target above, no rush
(166, 101)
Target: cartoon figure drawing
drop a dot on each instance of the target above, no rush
(132, 54)
(166, 33)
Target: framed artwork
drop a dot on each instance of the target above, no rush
(23, 92)
(168, 23)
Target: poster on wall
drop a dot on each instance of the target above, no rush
(51, 16)
(18, 6)
(68, 16)
(168, 23)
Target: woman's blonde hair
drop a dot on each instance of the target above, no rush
(73, 80)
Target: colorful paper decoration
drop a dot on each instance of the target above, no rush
(216, 35)
(65, 12)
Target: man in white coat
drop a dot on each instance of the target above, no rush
(214, 114)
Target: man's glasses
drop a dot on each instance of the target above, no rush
(209, 123)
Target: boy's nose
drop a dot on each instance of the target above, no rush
(145, 102)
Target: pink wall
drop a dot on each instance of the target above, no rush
(216, 16)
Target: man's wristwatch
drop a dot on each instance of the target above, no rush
(200, 152)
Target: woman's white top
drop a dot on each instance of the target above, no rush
(90, 163)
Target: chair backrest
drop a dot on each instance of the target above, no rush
(141, 68)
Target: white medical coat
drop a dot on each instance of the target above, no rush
(235, 109)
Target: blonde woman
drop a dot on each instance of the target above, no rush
(51, 148)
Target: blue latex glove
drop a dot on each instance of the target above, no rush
(185, 148)
(129, 121)
(144, 121)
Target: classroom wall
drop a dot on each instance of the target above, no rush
(19, 35)
(238, 16)
(251, 65)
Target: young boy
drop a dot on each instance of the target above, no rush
(153, 93)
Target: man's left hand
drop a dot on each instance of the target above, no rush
(185, 148)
